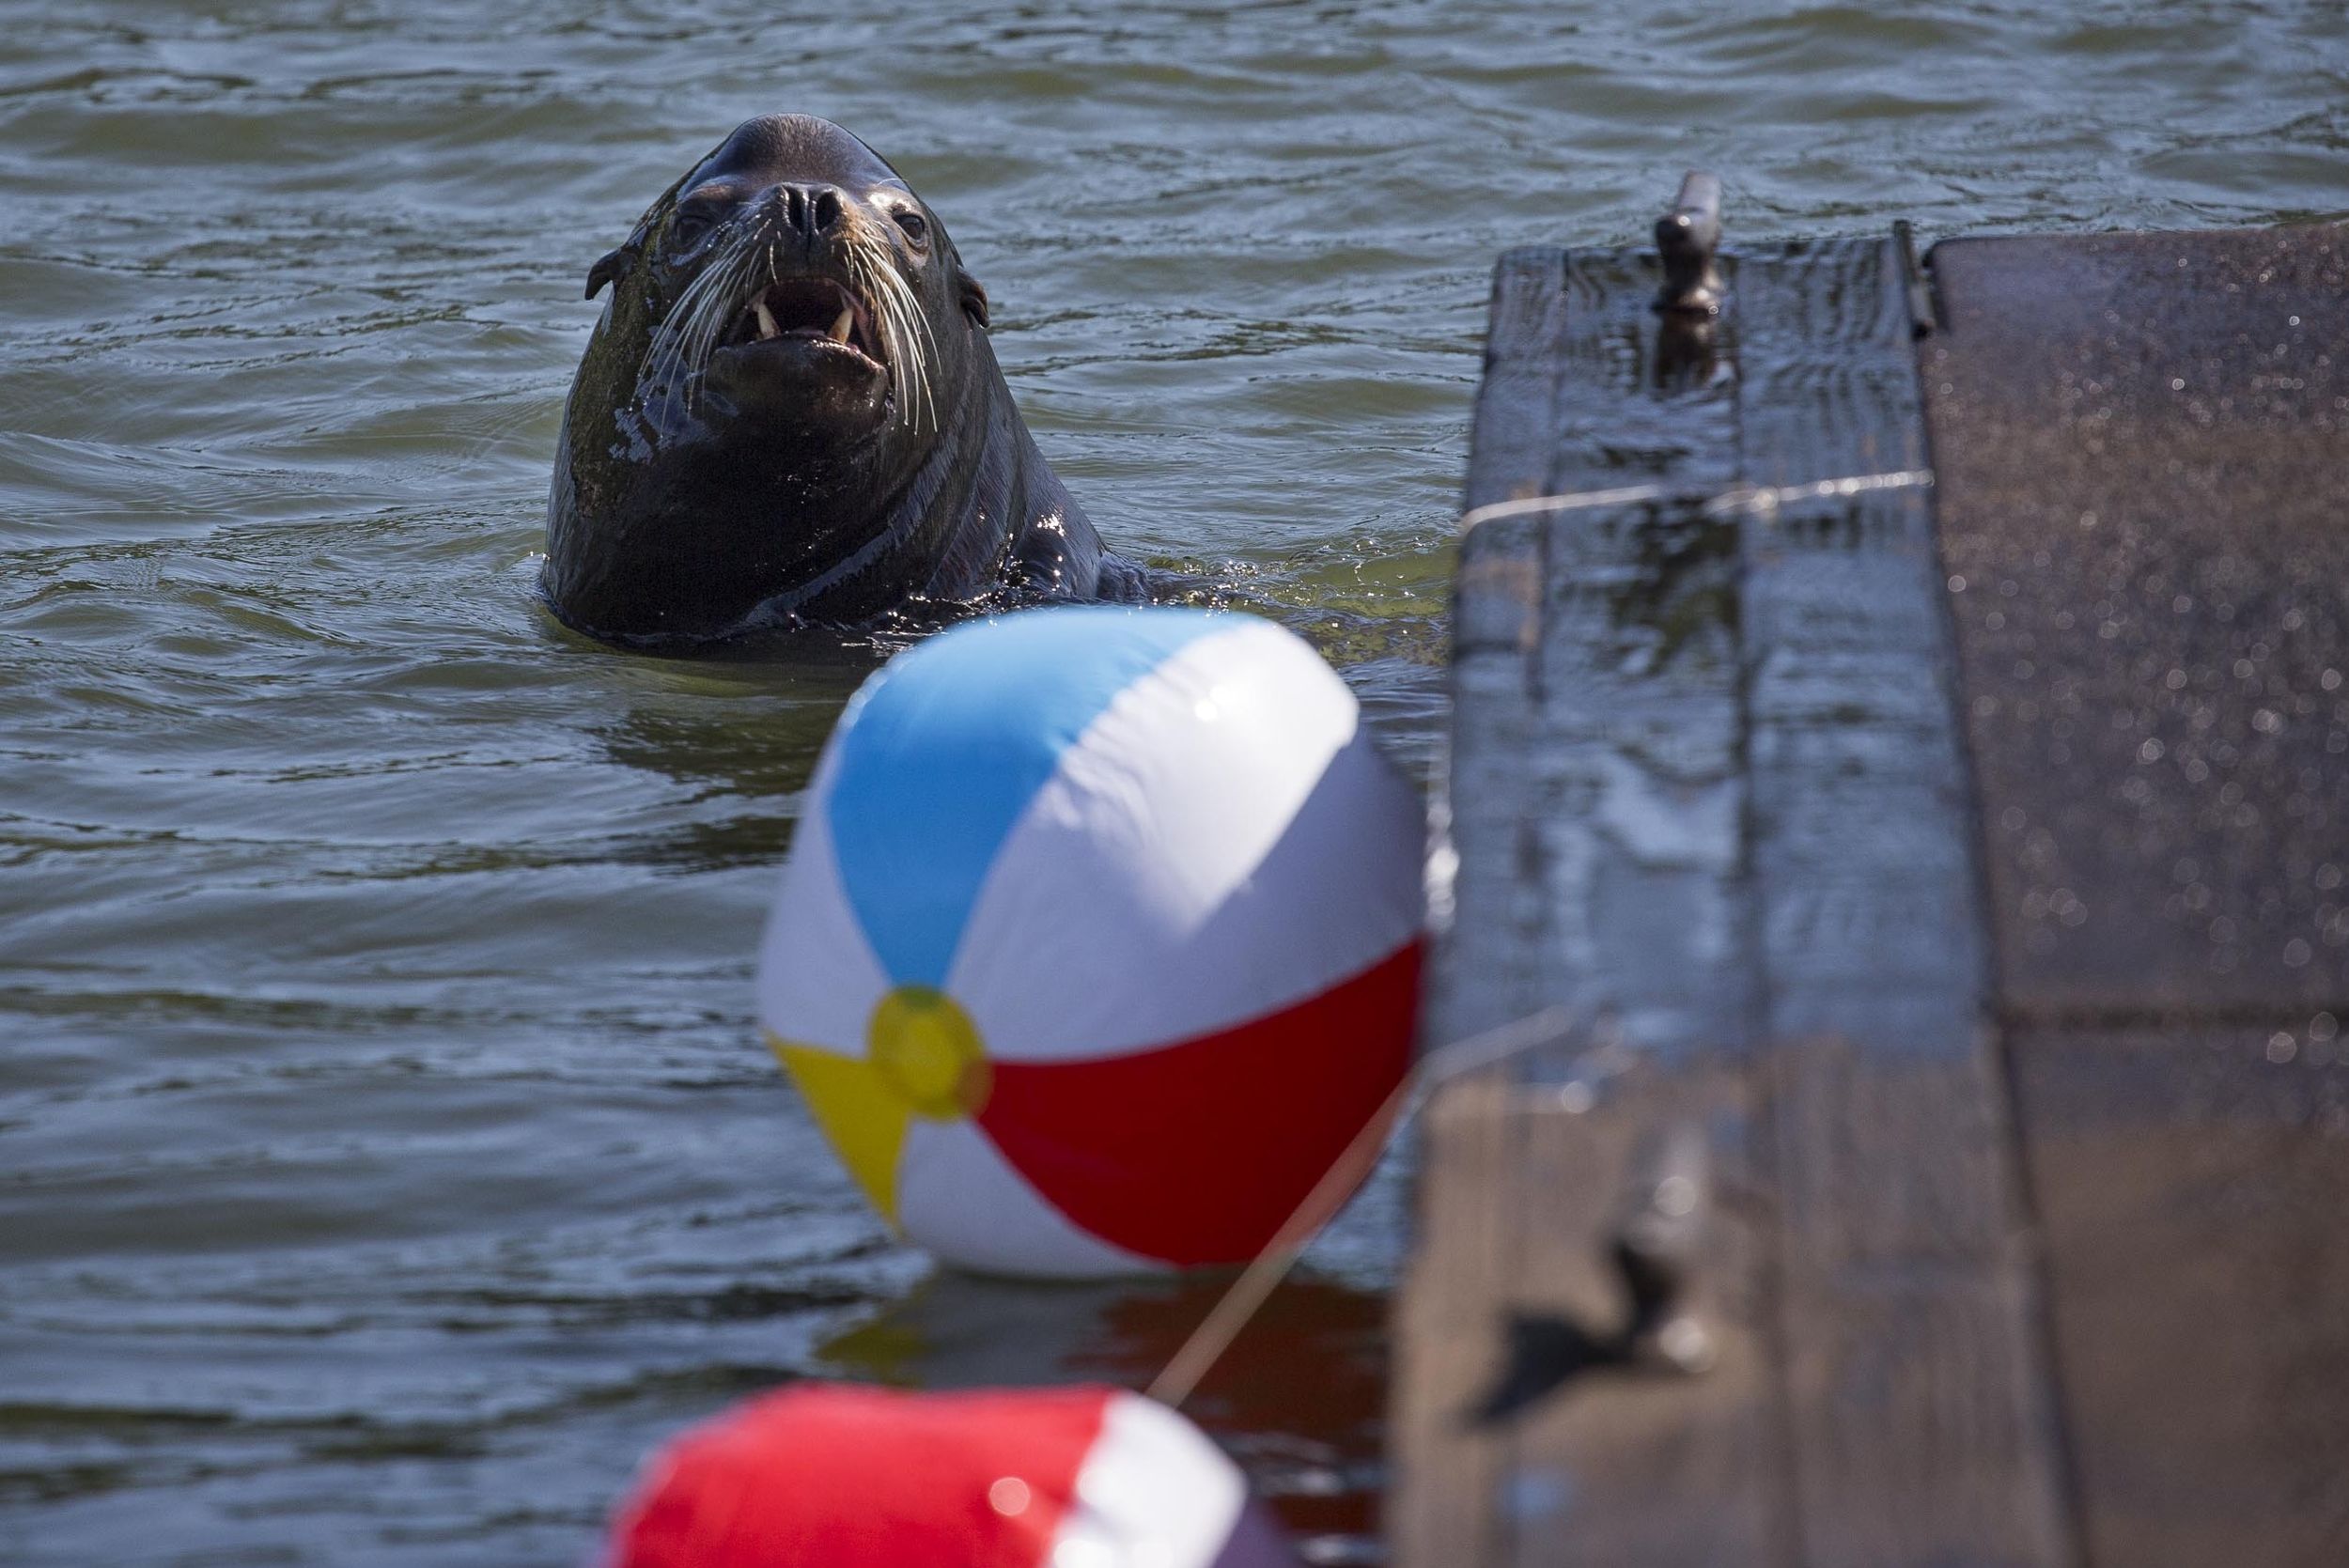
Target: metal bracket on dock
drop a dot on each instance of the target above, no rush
(1687, 237)
(1924, 313)
(1655, 1248)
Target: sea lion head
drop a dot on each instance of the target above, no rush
(787, 285)
(789, 337)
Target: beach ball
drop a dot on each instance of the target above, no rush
(844, 1475)
(1099, 938)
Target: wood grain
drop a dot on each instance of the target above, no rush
(2141, 440)
(1706, 786)
(1445, 1469)
(1917, 1387)
(2193, 1179)
(1605, 1472)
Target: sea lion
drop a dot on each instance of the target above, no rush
(789, 411)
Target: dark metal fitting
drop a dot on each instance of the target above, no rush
(1656, 1250)
(1687, 237)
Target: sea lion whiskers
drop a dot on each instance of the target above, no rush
(747, 264)
(680, 349)
(874, 265)
(873, 274)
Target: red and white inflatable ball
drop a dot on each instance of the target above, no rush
(840, 1476)
(1099, 939)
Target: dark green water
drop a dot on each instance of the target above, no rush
(386, 1157)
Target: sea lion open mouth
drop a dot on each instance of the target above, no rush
(790, 413)
(817, 311)
(798, 314)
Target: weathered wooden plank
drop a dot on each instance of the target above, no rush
(1443, 1487)
(2192, 1181)
(2140, 445)
(1709, 782)
(1720, 796)
(1917, 1387)
(1604, 1471)
(1861, 822)
(2140, 441)
(1596, 758)
(1495, 618)
(1633, 833)
(1517, 403)
(1595, 695)
(1914, 1381)
(1497, 603)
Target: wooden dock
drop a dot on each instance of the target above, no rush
(1945, 1159)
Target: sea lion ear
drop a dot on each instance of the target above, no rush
(973, 296)
(610, 267)
(616, 264)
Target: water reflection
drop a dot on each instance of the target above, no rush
(742, 732)
(1297, 1399)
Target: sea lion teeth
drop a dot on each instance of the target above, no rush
(840, 328)
(767, 327)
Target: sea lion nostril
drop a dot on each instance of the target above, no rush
(808, 209)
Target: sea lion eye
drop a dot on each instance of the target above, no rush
(690, 227)
(917, 227)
